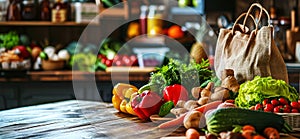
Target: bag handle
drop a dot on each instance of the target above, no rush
(262, 9)
(240, 17)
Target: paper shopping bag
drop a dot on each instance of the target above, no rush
(249, 53)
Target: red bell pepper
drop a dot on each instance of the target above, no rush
(174, 93)
(146, 104)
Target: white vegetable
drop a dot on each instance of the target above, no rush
(63, 54)
(54, 57)
(50, 51)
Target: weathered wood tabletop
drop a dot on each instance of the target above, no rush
(77, 119)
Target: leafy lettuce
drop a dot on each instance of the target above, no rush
(256, 90)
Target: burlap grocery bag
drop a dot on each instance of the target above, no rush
(249, 53)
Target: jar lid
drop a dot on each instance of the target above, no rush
(28, 2)
(284, 21)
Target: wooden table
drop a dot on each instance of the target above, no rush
(77, 119)
(74, 119)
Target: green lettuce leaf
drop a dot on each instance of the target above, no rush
(256, 90)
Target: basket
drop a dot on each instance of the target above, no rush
(293, 119)
(53, 65)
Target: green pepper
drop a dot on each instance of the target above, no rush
(165, 108)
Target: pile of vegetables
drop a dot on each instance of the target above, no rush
(260, 88)
(176, 72)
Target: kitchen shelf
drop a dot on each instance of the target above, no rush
(119, 73)
(43, 23)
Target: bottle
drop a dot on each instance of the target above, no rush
(29, 10)
(154, 20)
(143, 19)
(13, 11)
(45, 14)
(59, 12)
(67, 6)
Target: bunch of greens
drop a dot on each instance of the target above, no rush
(9, 40)
(83, 62)
(255, 91)
(176, 72)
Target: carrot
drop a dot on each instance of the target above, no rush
(212, 105)
(174, 122)
(192, 133)
(248, 134)
(258, 137)
(179, 120)
(271, 133)
(248, 127)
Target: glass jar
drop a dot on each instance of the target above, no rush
(45, 14)
(3, 9)
(29, 10)
(281, 25)
(143, 19)
(155, 20)
(13, 11)
(59, 12)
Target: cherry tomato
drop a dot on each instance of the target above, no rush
(133, 59)
(126, 60)
(265, 102)
(277, 109)
(101, 56)
(258, 107)
(286, 108)
(108, 63)
(117, 63)
(269, 107)
(282, 101)
(274, 102)
(294, 110)
(295, 105)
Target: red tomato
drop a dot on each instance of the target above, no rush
(108, 62)
(117, 57)
(126, 60)
(277, 109)
(134, 60)
(258, 107)
(265, 101)
(103, 60)
(294, 110)
(295, 105)
(269, 108)
(117, 63)
(286, 108)
(274, 102)
(101, 56)
(282, 101)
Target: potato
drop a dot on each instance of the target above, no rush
(203, 100)
(192, 120)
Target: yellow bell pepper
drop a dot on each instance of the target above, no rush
(123, 106)
(122, 94)
(116, 101)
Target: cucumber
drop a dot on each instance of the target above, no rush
(225, 119)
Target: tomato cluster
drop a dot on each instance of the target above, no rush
(278, 105)
(119, 60)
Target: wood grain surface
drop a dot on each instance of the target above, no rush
(77, 119)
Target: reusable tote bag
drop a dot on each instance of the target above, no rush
(249, 53)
